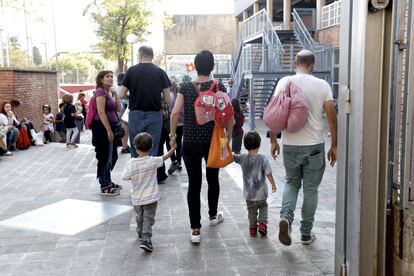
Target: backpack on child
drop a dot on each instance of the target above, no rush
(288, 110)
(211, 106)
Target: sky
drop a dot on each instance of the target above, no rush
(75, 32)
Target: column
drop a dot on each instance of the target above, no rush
(237, 29)
(269, 9)
(319, 5)
(245, 15)
(256, 7)
(287, 9)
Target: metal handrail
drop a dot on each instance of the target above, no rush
(303, 34)
(271, 48)
(323, 53)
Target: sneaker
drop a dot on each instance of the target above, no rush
(307, 239)
(8, 153)
(263, 229)
(195, 236)
(116, 186)
(126, 150)
(179, 167)
(110, 192)
(146, 245)
(173, 167)
(284, 232)
(216, 219)
(253, 231)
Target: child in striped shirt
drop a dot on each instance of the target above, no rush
(142, 171)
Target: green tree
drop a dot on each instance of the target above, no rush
(78, 67)
(115, 19)
(18, 57)
(37, 57)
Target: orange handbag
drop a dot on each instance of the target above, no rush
(220, 154)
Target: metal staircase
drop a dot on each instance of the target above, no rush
(263, 56)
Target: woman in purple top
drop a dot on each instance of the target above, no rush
(102, 132)
(238, 127)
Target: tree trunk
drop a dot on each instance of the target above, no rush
(120, 65)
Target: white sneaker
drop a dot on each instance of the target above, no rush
(217, 219)
(195, 237)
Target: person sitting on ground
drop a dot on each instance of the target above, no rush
(10, 121)
(69, 121)
(22, 122)
(60, 126)
(256, 168)
(142, 171)
(5, 127)
(48, 123)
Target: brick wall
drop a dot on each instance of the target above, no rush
(33, 89)
(329, 35)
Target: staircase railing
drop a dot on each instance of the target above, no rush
(323, 53)
(258, 25)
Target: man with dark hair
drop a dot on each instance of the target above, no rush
(304, 151)
(146, 83)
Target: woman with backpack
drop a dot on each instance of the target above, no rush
(103, 128)
(196, 144)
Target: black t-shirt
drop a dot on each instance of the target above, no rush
(145, 82)
(69, 120)
(194, 133)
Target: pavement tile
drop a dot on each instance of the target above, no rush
(112, 248)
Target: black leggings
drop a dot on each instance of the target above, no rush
(193, 153)
(48, 136)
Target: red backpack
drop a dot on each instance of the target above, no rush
(288, 110)
(90, 116)
(211, 106)
(204, 105)
(23, 141)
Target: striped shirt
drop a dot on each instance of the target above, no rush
(142, 172)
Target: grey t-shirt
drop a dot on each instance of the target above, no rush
(255, 169)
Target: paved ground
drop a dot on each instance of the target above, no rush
(44, 175)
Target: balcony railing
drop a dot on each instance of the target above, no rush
(331, 15)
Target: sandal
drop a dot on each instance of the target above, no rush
(116, 186)
(110, 191)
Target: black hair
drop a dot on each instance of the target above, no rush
(146, 51)
(204, 63)
(251, 140)
(143, 141)
(120, 78)
(49, 108)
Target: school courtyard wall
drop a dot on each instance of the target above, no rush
(33, 88)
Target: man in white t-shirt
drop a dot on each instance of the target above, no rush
(304, 151)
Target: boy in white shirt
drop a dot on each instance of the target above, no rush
(142, 171)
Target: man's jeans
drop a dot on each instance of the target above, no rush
(307, 164)
(145, 121)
